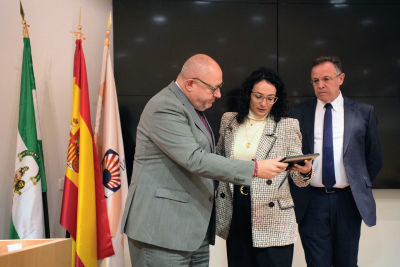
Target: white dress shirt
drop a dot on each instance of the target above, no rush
(338, 133)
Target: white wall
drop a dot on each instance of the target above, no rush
(53, 48)
(379, 246)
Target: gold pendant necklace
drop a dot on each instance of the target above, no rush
(247, 138)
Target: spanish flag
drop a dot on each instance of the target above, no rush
(83, 211)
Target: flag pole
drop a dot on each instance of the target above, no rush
(46, 215)
(78, 33)
(44, 194)
(25, 29)
(107, 40)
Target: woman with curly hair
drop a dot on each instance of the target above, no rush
(259, 222)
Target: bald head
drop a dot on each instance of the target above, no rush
(199, 76)
(200, 66)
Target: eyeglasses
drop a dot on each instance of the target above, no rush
(258, 97)
(211, 87)
(324, 80)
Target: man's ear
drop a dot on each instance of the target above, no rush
(189, 85)
(341, 78)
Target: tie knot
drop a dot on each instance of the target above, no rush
(199, 113)
(328, 106)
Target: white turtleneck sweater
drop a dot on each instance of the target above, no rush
(254, 126)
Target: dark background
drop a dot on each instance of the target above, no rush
(154, 38)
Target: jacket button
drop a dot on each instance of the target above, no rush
(222, 195)
(269, 182)
(210, 198)
(271, 204)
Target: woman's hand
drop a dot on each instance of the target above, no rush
(303, 169)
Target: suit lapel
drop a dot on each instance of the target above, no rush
(349, 117)
(230, 134)
(229, 137)
(309, 120)
(267, 139)
(185, 101)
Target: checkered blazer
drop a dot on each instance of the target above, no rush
(271, 226)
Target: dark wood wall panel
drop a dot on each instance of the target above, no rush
(153, 39)
(361, 35)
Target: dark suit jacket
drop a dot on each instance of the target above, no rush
(362, 154)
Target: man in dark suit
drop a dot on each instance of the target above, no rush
(345, 133)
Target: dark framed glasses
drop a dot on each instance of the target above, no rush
(211, 87)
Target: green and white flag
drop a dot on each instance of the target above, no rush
(27, 219)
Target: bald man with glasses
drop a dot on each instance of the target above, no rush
(345, 132)
(169, 214)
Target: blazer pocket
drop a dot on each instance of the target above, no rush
(368, 182)
(172, 194)
(286, 203)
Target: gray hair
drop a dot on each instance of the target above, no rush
(332, 59)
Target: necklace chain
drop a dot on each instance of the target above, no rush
(247, 138)
(254, 121)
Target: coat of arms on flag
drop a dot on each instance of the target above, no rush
(111, 173)
(73, 152)
(27, 173)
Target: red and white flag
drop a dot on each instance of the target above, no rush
(110, 148)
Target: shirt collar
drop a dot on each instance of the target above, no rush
(254, 117)
(178, 85)
(336, 104)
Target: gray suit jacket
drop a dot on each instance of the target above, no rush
(170, 201)
(362, 154)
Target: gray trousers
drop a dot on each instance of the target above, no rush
(146, 255)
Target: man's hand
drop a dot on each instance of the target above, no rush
(269, 168)
(303, 169)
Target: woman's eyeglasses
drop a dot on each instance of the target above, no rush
(258, 97)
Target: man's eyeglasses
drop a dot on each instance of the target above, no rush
(324, 80)
(258, 97)
(211, 87)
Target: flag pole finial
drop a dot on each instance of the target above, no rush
(25, 31)
(78, 33)
(107, 40)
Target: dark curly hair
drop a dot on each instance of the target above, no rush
(278, 109)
